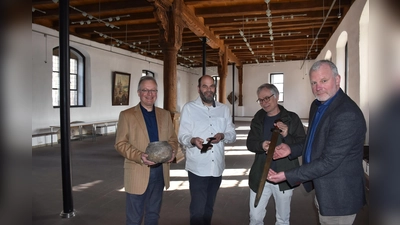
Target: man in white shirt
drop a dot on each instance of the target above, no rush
(201, 120)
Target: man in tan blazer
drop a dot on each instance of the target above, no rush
(144, 180)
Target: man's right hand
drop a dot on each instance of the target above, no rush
(145, 161)
(281, 151)
(198, 142)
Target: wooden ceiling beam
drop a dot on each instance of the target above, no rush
(259, 9)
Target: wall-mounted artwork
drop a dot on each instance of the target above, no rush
(120, 88)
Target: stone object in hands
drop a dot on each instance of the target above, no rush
(159, 151)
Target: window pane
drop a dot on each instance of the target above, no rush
(73, 98)
(73, 66)
(280, 87)
(277, 78)
(55, 80)
(76, 78)
(56, 63)
(56, 97)
(280, 97)
(73, 82)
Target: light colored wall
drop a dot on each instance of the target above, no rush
(101, 61)
(357, 81)
(349, 24)
(297, 92)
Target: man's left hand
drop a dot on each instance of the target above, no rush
(218, 137)
(283, 127)
(172, 157)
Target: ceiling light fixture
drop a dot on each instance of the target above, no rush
(95, 19)
(268, 12)
(119, 42)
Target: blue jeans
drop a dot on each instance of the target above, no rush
(149, 203)
(203, 191)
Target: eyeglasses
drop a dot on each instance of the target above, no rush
(266, 99)
(149, 91)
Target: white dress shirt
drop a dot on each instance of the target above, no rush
(199, 120)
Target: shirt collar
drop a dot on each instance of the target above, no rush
(200, 102)
(144, 110)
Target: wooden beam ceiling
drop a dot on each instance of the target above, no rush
(220, 21)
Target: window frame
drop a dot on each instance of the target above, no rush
(147, 73)
(281, 92)
(80, 81)
(216, 78)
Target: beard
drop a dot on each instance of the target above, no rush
(207, 97)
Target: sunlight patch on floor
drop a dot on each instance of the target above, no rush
(81, 187)
(227, 172)
(178, 185)
(226, 182)
(239, 153)
(235, 147)
(237, 150)
(243, 128)
(241, 136)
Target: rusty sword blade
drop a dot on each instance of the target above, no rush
(267, 165)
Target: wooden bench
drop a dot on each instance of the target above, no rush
(89, 127)
(44, 133)
(105, 124)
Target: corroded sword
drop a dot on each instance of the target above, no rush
(271, 149)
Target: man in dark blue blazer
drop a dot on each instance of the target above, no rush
(332, 152)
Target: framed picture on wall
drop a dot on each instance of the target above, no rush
(120, 88)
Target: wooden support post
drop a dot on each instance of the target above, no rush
(222, 73)
(171, 28)
(170, 78)
(240, 79)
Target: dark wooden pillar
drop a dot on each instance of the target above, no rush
(204, 40)
(170, 78)
(222, 73)
(171, 28)
(240, 80)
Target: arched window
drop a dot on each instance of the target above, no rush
(147, 73)
(328, 55)
(216, 83)
(342, 59)
(77, 78)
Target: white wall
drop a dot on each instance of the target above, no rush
(350, 25)
(101, 61)
(297, 91)
(298, 95)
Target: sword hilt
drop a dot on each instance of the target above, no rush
(206, 146)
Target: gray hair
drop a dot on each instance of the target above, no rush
(270, 87)
(319, 63)
(144, 78)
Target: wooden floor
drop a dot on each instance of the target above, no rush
(97, 178)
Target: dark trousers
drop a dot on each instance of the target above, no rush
(203, 191)
(149, 203)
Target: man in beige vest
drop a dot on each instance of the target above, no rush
(144, 180)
